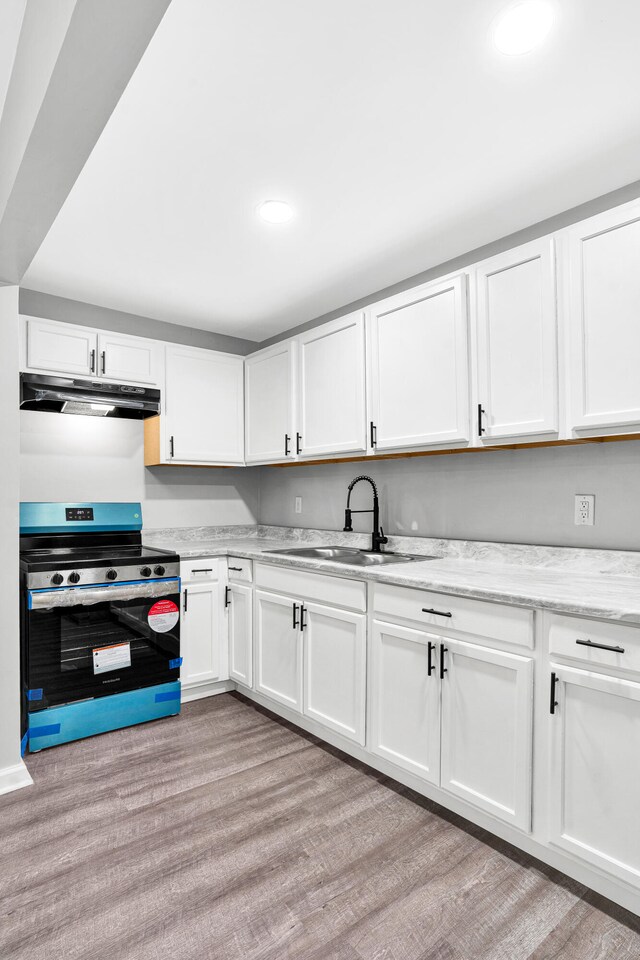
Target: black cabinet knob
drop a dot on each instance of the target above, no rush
(74, 577)
(112, 574)
(145, 572)
(57, 578)
(159, 570)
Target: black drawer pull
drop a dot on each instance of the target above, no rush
(227, 596)
(481, 429)
(237, 569)
(184, 605)
(303, 610)
(202, 570)
(295, 616)
(443, 669)
(600, 646)
(553, 703)
(430, 664)
(438, 613)
(287, 440)
(298, 443)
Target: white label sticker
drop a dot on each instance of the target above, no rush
(111, 658)
(163, 616)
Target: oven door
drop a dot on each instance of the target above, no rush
(85, 642)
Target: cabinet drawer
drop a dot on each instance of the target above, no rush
(200, 568)
(584, 640)
(491, 621)
(240, 571)
(335, 591)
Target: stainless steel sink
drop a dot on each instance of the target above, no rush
(350, 555)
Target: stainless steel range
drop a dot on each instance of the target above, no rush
(100, 622)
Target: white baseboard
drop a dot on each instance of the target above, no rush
(200, 690)
(15, 777)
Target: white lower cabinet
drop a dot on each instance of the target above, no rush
(334, 671)
(405, 699)
(240, 625)
(278, 645)
(487, 709)
(594, 783)
(202, 629)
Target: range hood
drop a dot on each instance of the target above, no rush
(93, 398)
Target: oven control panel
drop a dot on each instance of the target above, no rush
(92, 576)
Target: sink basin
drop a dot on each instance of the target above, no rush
(350, 555)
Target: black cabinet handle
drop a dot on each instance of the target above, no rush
(600, 646)
(373, 433)
(438, 613)
(481, 429)
(237, 569)
(430, 664)
(287, 439)
(184, 602)
(171, 447)
(443, 669)
(553, 703)
(92, 367)
(103, 356)
(202, 570)
(295, 617)
(227, 596)
(298, 442)
(303, 610)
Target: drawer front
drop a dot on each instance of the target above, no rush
(240, 571)
(599, 643)
(442, 612)
(200, 568)
(351, 594)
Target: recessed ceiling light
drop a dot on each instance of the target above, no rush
(522, 27)
(275, 211)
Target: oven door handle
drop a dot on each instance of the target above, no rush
(86, 596)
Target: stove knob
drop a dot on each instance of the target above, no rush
(74, 577)
(145, 572)
(112, 574)
(57, 578)
(159, 571)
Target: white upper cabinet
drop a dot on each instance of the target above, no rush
(128, 358)
(419, 367)
(331, 385)
(602, 305)
(514, 310)
(203, 402)
(60, 347)
(269, 404)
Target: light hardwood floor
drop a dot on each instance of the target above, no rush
(227, 834)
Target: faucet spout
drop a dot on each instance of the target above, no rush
(377, 536)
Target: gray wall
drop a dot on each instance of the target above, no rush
(72, 459)
(35, 304)
(520, 496)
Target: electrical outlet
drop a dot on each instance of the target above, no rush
(585, 506)
(298, 504)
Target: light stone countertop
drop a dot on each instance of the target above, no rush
(591, 583)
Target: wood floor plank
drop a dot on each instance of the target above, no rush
(227, 834)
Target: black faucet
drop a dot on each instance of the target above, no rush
(377, 537)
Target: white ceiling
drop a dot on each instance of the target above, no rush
(11, 15)
(397, 132)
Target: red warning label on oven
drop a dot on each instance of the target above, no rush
(163, 615)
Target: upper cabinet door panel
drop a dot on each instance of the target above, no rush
(419, 366)
(332, 399)
(128, 358)
(60, 347)
(516, 334)
(269, 398)
(204, 406)
(603, 312)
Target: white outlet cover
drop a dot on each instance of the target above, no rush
(298, 503)
(585, 505)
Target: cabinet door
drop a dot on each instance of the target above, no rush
(419, 367)
(334, 669)
(128, 358)
(486, 729)
(332, 398)
(269, 403)
(200, 633)
(603, 305)
(405, 699)
(204, 406)
(240, 612)
(516, 332)
(61, 347)
(595, 788)
(278, 649)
